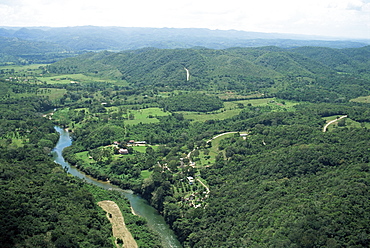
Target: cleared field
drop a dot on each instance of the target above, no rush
(18, 68)
(362, 99)
(145, 174)
(14, 142)
(79, 78)
(231, 108)
(348, 123)
(53, 94)
(84, 156)
(196, 116)
(147, 115)
(141, 149)
(123, 236)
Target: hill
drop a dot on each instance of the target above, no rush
(295, 74)
(21, 51)
(228, 145)
(344, 60)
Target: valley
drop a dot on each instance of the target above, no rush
(239, 147)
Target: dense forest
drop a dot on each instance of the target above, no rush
(256, 147)
(42, 206)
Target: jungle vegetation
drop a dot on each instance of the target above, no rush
(273, 179)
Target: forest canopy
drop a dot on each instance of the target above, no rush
(258, 147)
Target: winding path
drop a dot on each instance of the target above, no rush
(205, 186)
(331, 122)
(219, 136)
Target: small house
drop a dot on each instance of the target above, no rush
(123, 151)
(140, 142)
(191, 180)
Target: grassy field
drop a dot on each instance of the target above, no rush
(79, 78)
(145, 116)
(52, 93)
(231, 109)
(215, 144)
(361, 99)
(84, 157)
(208, 156)
(141, 149)
(349, 123)
(145, 174)
(19, 68)
(15, 142)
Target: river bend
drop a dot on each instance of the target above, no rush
(139, 205)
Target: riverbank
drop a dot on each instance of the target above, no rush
(140, 206)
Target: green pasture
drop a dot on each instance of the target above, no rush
(141, 149)
(145, 116)
(61, 114)
(84, 157)
(215, 144)
(145, 174)
(361, 99)
(210, 158)
(349, 123)
(19, 68)
(52, 93)
(231, 109)
(14, 142)
(198, 116)
(79, 78)
(232, 95)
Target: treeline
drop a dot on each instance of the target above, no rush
(191, 102)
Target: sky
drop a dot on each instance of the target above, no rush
(334, 18)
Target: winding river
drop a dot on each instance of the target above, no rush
(138, 204)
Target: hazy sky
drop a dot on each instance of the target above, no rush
(339, 18)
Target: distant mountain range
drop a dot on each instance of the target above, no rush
(32, 44)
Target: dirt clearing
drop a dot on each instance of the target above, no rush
(120, 231)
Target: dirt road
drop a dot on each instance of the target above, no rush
(331, 122)
(119, 228)
(187, 74)
(219, 136)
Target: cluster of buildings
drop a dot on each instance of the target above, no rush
(124, 151)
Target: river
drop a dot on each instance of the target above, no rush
(139, 205)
